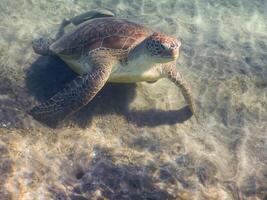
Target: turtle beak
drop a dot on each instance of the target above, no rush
(175, 53)
(172, 54)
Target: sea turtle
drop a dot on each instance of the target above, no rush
(107, 49)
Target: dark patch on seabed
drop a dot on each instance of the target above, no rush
(117, 181)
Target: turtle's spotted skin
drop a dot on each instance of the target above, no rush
(158, 43)
(104, 50)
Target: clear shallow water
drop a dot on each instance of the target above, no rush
(136, 141)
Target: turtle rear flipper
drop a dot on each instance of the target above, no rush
(82, 18)
(41, 46)
(91, 15)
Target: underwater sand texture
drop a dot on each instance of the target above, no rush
(138, 141)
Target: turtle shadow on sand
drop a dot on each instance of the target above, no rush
(48, 75)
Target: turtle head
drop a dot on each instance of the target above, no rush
(162, 48)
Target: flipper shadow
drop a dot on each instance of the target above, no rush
(155, 117)
(48, 75)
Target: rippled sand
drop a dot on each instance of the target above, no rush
(137, 141)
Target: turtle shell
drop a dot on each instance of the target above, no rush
(109, 33)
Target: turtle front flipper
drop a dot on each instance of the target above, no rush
(172, 74)
(74, 96)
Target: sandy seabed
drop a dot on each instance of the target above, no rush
(138, 141)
